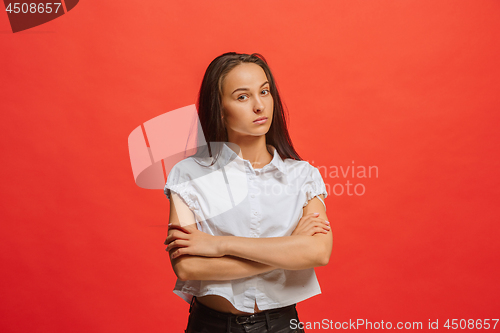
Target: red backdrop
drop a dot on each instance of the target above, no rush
(410, 87)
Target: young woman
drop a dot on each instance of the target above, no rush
(244, 251)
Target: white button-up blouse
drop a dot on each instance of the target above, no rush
(233, 198)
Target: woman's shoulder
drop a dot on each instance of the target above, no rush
(296, 168)
(296, 164)
(187, 169)
(188, 162)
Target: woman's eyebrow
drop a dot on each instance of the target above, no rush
(263, 84)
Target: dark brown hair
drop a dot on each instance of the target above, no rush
(209, 105)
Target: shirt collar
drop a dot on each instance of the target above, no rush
(228, 155)
(277, 161)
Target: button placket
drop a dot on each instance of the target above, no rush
(249, 300)
(255, 211)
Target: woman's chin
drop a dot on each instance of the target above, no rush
(253, 132)
(260, 133)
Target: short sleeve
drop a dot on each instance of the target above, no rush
(313, 185)
(178, 183)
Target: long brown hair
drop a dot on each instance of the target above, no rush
(209, 105)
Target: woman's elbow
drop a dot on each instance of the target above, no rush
(324, 257)
(324, 260)
(181, 270)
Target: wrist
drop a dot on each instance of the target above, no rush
(224, 245)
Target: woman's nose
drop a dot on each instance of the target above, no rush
(258, 105)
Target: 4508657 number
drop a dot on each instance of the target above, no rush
(471, 324)
(25, 7)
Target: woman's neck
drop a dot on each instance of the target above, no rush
(254, 149)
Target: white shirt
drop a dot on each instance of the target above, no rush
(233, 198)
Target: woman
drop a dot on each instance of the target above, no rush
(244, 251)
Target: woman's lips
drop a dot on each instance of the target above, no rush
(262, 121)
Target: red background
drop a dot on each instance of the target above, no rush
(408, 86)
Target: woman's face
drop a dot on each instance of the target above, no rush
(246, 96)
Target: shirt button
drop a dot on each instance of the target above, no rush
(253, 195)
(254, 213)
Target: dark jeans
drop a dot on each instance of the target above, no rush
(203, 319)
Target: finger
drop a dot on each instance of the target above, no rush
(307, 217)
(180, 234)
(317, 228)
(325, 228)
(320, 220)
(310, 232)
(179, 252)
(178, 227)
(310, 215)
(172, 236)
(176, 234)
(313, 218)
(176, 243)
(320, 229)
(324, 225)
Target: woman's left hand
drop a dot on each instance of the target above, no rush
(193, 242)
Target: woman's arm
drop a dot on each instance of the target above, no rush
(289, 252)
(292, 252)
(219, 269)
(193, 267)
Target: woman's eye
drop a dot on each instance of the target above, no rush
(267, 91)
(241, 97)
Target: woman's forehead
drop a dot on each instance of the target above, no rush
(246, 75)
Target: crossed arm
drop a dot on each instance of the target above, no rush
(195, 255)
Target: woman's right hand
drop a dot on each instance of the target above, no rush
(310, 224)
